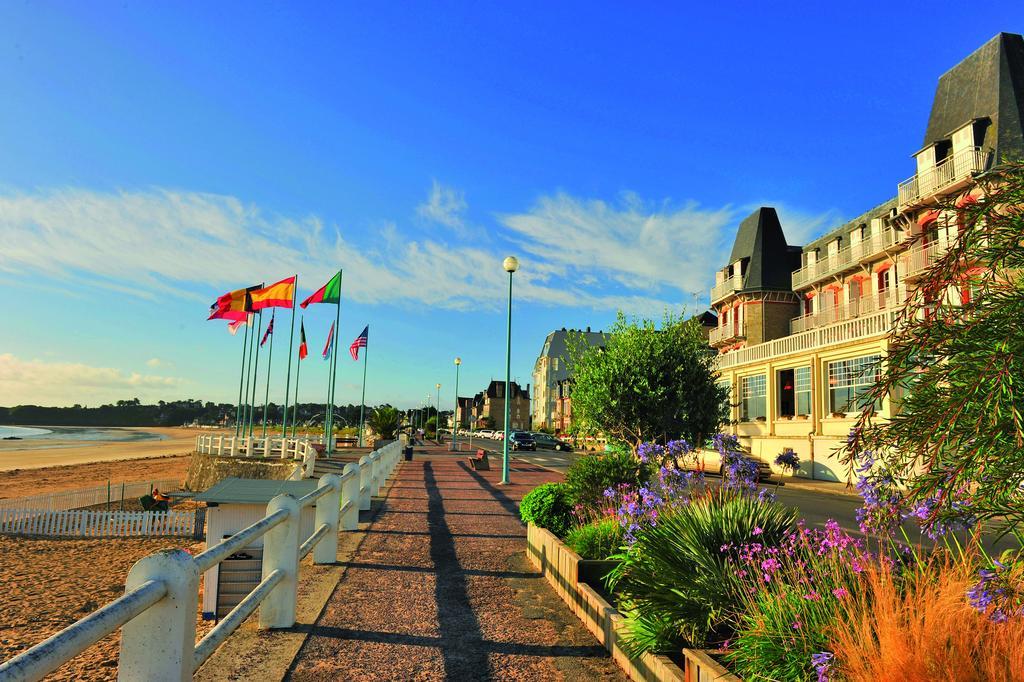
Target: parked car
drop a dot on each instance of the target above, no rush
(549, 442)
(708, 460)
(486, 433)
(521, 440)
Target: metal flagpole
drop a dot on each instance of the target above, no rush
(295, 408)
(241, 377)
(270, 357)
(255, 375)
(248, 378)
(288, 376)
(362, 403)
(334, 359)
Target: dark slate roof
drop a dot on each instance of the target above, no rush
(708, 318)
(844, 230)
(254, 491)
(515, 389)
(770, 261)
(556, 346)
(988, 84)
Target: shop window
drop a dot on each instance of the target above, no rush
(802, 386)
(849, 382)
(794, 392)
(753, 403)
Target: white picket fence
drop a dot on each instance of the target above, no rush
(87, 497)
(83, 523)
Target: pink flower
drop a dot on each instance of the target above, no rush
(840, 592)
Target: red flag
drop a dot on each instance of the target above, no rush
(234, 326)
(234, 305)
(303, 348)
(327, 346)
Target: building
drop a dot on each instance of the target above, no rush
(801, 330)
(464, 412)
(552, 367)
(488, 408)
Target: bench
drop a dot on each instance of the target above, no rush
(479, 461)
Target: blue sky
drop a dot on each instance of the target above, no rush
(157, 155)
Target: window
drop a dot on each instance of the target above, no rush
(727, 385)
(752, 398)
(794, 392)
(802, 386)
(849, 382)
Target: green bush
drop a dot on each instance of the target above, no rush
(590, 475)
(548, 506)
(674, 583)
(597, 540)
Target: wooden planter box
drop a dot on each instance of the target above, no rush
(561, 567)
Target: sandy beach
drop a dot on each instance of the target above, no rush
(35, 454)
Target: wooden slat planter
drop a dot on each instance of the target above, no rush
(560, 566)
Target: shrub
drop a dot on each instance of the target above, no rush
(921, 627)
(548, 506)
(597, 540)
(590, 475)
(674, 582)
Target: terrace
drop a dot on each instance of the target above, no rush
(947, 175)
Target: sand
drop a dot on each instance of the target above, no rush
(49, 584)
(28, 453)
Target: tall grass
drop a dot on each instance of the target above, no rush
(917, 626)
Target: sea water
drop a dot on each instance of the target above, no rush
(83, 433)
(22, 431)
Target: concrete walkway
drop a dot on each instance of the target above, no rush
(440, 589)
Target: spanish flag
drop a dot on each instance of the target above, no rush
(278, 295)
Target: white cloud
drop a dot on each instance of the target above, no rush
(155, 362)
(50, 383)
(444, 205)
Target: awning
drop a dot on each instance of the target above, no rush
(969, 198)
(883, 266)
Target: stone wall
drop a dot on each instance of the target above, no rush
(206, 470)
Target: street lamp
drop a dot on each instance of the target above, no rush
(511, 264)
(455, 414)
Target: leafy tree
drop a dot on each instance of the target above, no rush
(384, 421)
(955, 369)
(647, 384)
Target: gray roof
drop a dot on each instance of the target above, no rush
(987, 85)
(844, 230)
(556, 346)
(254, 491)
(770, 261)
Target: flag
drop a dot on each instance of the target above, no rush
(328, 293)
(235, 325)
(303, 348)
(277, 295)
(327, 348)
(360, 342)
(234, 305)
(266, 334)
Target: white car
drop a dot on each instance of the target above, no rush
(485, 433)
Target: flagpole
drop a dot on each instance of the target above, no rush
(270, 357)
(288, 376)
(241, 377)
(298, 367)
(255, 376)
(334, 364)
(362, 403)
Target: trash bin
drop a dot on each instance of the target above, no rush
(407, 451)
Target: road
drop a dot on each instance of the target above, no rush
(814, 507)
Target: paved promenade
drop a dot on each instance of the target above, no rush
(440, 588)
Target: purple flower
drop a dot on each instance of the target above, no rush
(788, 460)
(822, 662)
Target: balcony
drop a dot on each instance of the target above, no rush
(862, 327)
(726, 288)
(947, 175)
(730, 333)
(865, 305)
(846, 258)
(918, 259)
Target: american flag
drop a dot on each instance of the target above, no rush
(360, 342)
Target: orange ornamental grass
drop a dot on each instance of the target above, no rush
(924, 630)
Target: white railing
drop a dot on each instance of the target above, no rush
(720, 291)
(865, 305)
(157, 614)
(850, 330)
(87, 497)
(727, 333)
(921, 257)
(844, 259)
(83, 523)
(933, 180)
(298, 449)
